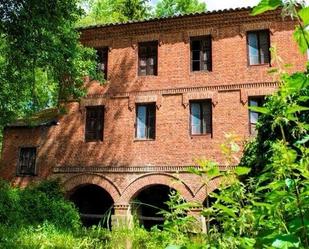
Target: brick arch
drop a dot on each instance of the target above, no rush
(145, 181)
(83, 179)
(201, 195)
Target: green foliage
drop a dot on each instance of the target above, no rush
(35, 205)
(266, 5)
(269, 208)
(41, 59)
(166, 8)
(111, 11)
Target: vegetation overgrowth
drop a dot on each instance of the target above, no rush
(111, 11)
(262, 203)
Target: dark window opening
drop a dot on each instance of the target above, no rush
(94, 123)
(201, 53)
(94, 204)
(201, 117)
(145, 121)
(26, 164)
(149, 202)
(258, 47)
(254, 116)
(102, 58)
(148, 58)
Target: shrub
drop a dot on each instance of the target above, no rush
(36, 204)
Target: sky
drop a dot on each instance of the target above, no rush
(226, 4)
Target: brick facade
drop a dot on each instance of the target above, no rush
(123, 165)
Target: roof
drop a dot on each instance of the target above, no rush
(154, 19)
(45, 117)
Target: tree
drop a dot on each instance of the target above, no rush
(111, 11)
(166, 8)
(41, 59)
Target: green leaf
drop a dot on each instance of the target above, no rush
(173, 247)
(266, 5)
(213, 172)
(289, 183)
(263, 110)
(303, 98)
(296, 108)
(303, 140)
(301, 36)
(242, 171)
(225, 209)
(285, 241)
(297, 224)
(304, 15)
(297, 81)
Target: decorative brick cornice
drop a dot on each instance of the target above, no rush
(131, 169)
(173, 91)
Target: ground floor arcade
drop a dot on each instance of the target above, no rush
(115, 200)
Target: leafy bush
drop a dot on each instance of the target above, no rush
(36, 204)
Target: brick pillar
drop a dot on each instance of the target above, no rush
(122, 217)
(200, 221)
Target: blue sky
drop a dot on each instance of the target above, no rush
(225, 4)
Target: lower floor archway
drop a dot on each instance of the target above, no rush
(94, 204)
(149, 202)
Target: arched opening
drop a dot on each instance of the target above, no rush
(94, 204)
(149, 202)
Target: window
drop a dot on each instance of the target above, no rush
(201, 120)
(145, 121)
(94, 123)
(253, 116)
(258, 47)
(201, 53)
(147, 58)
(26, 165)
(102, 57)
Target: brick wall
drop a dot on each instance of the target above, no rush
(119, 161)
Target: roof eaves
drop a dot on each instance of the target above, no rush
(154, 19)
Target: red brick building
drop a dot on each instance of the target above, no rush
(174, 87)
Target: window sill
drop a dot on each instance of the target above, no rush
(94, 141)
(259, 65)
(144, 140)
(26, 175)
(147, 76)
(200, 136)
(200, 72)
